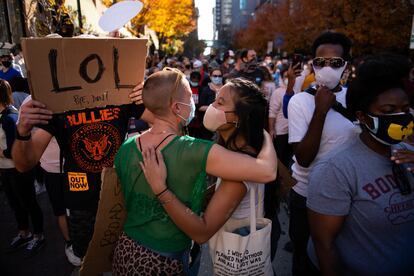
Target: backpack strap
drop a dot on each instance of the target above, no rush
(12, 110)
(337, 106)
(8, 110)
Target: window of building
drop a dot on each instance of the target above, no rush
(243, 4)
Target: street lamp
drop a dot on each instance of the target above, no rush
(80, 15)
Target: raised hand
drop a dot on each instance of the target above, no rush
(32, 113)
(324, 99)
(292, 74)
(136, 95)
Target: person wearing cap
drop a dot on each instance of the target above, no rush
(197, 64)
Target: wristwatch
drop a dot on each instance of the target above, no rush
(23, 138)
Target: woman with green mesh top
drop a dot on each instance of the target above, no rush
(152, 244)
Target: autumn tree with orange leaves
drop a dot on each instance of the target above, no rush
(170, 19)
(373, 26)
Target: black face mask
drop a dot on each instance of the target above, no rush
(391, 129)
(249, 66)
(6, 64)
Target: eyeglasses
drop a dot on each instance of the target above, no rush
(216, 76)
(401, 179)
(334, 62)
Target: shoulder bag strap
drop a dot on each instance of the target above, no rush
(252, 209)
(260, 200)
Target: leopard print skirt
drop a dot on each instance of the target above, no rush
(130, 258)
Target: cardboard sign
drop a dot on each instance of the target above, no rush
(76, 73)
(108, 226)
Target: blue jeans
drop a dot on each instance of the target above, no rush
(244, 231)
(183, 256)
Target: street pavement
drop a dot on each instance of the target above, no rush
(282, 263)
(51, 259)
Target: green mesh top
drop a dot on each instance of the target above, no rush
(147, 222)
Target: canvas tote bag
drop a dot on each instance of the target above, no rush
(234, 254)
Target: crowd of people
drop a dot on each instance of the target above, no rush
(205, 132)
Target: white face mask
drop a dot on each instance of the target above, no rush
(193, 83)
(231, 61)
(285, 82)
(214, 118)
(192, 112)
(328, 76)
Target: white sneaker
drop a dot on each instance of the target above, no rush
(76, 261)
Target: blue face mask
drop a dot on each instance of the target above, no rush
(192, 112)
(193, 83)
(217, 80)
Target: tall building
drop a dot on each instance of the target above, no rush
(223, 21)
(191, 42)
(231, 16)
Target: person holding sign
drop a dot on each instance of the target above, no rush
(151, 241)
(89, 140)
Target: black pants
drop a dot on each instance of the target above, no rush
(21, 195)
(271, 201)
(284, 149)
(54, 186)
(275, 235)
(81, 226)
(271, 210)
(299, 235)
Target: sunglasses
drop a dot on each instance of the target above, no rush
(401, 179)
(216, 76)
(334, 62)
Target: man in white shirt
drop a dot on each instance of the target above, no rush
(278, 124)
(315, 129)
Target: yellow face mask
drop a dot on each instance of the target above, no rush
(399, 132)
(391, 128)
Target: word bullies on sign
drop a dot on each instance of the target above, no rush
(78, 73)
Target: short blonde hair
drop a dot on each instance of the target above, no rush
(161, 88)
